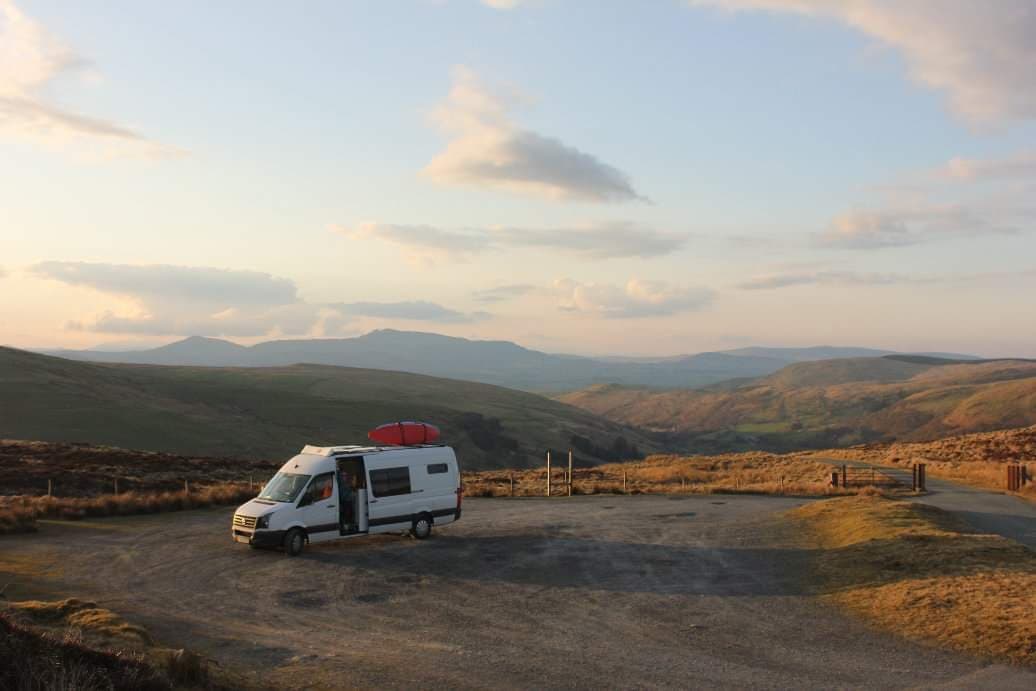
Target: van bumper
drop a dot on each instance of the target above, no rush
(261, 538)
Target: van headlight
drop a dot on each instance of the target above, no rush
(264, 521)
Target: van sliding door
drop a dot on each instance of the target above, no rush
(390, 498)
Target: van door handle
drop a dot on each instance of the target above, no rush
(330, 506)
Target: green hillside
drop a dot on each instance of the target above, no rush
(271, 412)
(832, 403)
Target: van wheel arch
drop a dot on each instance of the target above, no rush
(422, 527)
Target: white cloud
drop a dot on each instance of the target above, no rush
(31, 60)
(776, 281)
(1017, 167)
(912, 226)
(488, 150)
(414, 310)
(206, 301)
(982, 54)
(187, 283)
(502, 4)
(503, 293)
(637, 299)
(188, 300)
(591, 241)
(787, 280)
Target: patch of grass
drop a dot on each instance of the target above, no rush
(746, 473)
(36, 660)
(75, 644)
(19, 514)
(919, 572)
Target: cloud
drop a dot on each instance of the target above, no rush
(637, 299)
(205, 301)
(188, 300)
(488, 150)
(592, 241)
(912, 226)
(981, 54)
(186, 283)
(503, 293)
(1017, 167)
(415, 310)
(31, 60)
(502, 4)
(776, 281)
(786, 280)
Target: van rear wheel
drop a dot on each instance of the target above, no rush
(294, 541)
(422, 527)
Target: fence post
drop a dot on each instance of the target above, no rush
(511, 478)
(845, 477)
(548, 473)
(834, 478)
(570, 473)
(50, 487)
(186, 486)
(624, 482)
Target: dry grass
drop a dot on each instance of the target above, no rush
(748, 473)
(973, 459)
(917, 571)
(19, 514)
(98, 648)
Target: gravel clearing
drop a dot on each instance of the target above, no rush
(615, 592)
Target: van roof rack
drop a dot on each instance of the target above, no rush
(354, 449)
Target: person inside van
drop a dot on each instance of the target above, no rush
(347, 484)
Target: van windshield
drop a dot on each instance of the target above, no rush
(284, 487)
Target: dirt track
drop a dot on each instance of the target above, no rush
(643, 591)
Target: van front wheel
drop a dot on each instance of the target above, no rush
(422, 527)
(294, 541)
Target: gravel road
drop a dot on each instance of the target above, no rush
(601, 592)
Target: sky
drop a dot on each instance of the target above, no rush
(593, 177)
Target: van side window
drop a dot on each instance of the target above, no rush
(435, 468)
(390, 482)
(319, 489)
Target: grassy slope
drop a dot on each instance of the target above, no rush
(919, 572)
(833, 403)
(272, 412)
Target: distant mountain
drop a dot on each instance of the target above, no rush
(492, 362)
(832, 403)
(270, 413)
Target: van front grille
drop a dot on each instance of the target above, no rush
(244, 521)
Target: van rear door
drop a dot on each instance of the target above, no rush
(390, 499)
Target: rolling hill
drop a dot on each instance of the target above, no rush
(491, 362)
(833, 403)
(271, 412)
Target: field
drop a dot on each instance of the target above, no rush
(747, 473)
(833, 403)
(270, 413)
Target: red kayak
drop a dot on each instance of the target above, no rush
(405, 433)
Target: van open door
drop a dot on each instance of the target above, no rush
(352, 493)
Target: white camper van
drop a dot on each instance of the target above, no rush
(337, 492)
